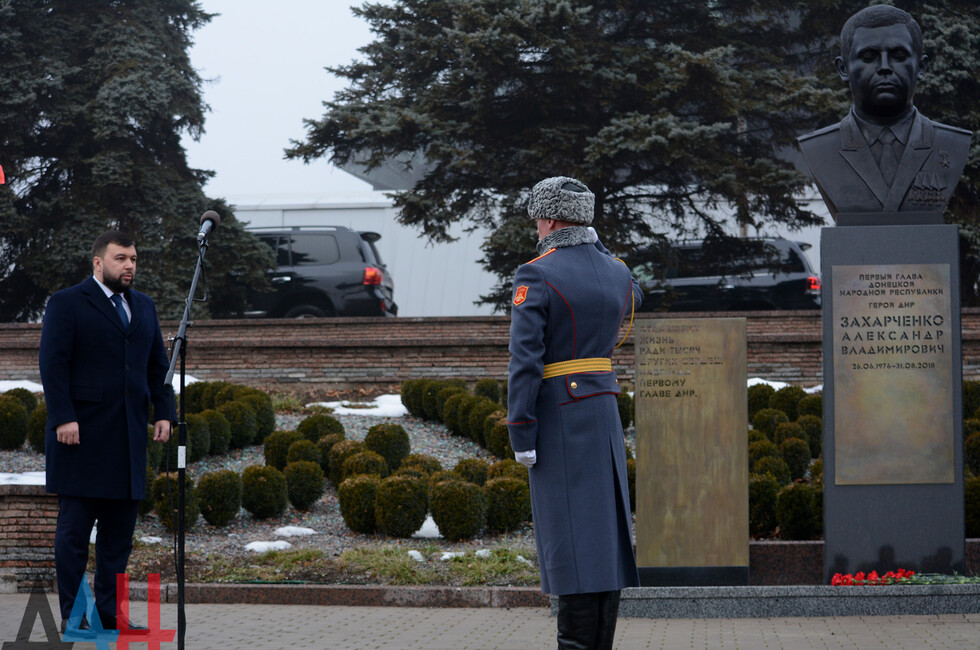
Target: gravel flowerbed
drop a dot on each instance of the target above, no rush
(332, 536)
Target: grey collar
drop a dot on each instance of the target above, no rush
(565, 237)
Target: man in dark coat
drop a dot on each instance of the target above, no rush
(884, 156)
(103, 363)
(563, 417)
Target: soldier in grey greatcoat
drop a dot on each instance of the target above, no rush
(563, 418)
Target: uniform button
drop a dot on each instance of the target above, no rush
(574, 385)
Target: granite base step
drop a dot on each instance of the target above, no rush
(807, 601)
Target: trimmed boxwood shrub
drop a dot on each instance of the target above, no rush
(276, 447)
(799, 512)
(219, 429)
(971, 452)
(198, 437)
(210, 391)
(411, 470)
(304, 482)
(503, 393)
(13, 423)
(400, 505)
(25, 397)
(444, 394)
(356, 496)
(972, 496)
(265, 413)
(478, 415)
(816, 473)
(338, 454)
(325, 444)
(364, 462)
(194, 397)
(796, 453)
(812, 427)
(489, 388)
(811, 405)
(303, 450)
(786, 430)
(625, 404)
(787, 399)
(766, 421)
(473, 470)
(508, 468)
(762, 449)
(264, 491)
(241, 418)
(442, 475)
(971, 397)
(463, 415)
(508, 503)
(37, 423)
(498, 436)
(459, 509)
(165, 496)
(759, 395)
(220, 496)
(411, 392)
(391, 441)
(430, 396)
(763, 496)
(318, 425)
(428, 463)
(772, 465)
(756, 436)
(450, 410)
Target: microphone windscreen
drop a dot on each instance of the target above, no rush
(211, 215)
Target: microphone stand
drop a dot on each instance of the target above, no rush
(179, 350)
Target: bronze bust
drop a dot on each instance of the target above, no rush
(884, 162)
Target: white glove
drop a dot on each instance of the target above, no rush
(526, 458)
(595, 236)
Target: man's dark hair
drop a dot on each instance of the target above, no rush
(110, 237)
(879, 16)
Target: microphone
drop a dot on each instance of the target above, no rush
(209, 221)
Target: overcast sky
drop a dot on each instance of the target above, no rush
(265, 65)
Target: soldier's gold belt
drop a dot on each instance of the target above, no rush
(597, 364)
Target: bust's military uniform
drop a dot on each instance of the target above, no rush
(568, 307)
(841, 162)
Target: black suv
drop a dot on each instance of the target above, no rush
(733, 274)
(324, 271)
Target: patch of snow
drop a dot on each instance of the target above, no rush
(27, 478)
(428, 530)
(389, 406)
(151, 539)
(261, 547)
(294, 531)
(415, 555)
(9, 384)
(521, 558)
(188, 380)
(484, 553)
(449, 555)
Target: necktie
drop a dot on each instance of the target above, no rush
(889, 157)
(117, 301)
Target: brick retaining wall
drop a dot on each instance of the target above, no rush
(309, 355)
(28, 518)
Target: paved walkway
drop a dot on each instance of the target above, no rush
(267, 627)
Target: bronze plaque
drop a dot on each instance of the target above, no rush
(691, 443)
(893, 411)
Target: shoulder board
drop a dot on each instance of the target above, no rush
(825, 130)
(545, 254)
(954, 129)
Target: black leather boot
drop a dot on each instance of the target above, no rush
(608, 613)
(578, 617)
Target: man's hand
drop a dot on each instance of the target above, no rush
(161, 430)
(68, 433)
(526, 458)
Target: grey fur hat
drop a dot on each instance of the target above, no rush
(562, 198)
